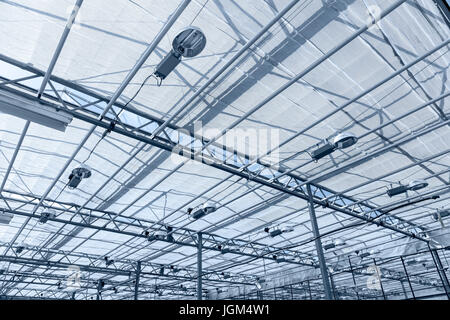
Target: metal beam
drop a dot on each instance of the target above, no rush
(173, 18)
(440, 269)
(319, 249)
(136, 284)
(136, 228)
(292, 180)
(225, 67)
(60, 45)
(16, 151)
(199, 266)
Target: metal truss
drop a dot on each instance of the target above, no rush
(37, 256)
(110, 222)
(390, 274)
(89, 107)
(51, 280)
(183, 143)
(305, 289)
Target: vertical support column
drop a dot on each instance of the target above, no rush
(379, 279)
(407, 277)
(440, 269)
(353, 277)
(319, 249)
(306, 291)
(260, 295)
(99, 288)
(136, 283)
(62, 41)
(309, 289)
(333, 287)
(199, 266)
(404, 289)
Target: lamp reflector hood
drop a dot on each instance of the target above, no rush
(397, 190)
(344, 140)
(189, 42)
(417, 185)
(5, 217)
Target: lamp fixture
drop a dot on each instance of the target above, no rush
(259, 283)
(78, 174)
(188, 43)
(45, 215)
(108, 261)
(5, 217)
(276, 231)
(228, 249)
(20, 249)
(157, 235)
(199, 212)
(414, 185)
(364, 255)
(342, 140)
(174, 269)
(438, 215)
(34, 111)
(283, 257)
(417, 185)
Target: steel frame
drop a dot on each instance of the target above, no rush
(261, 173)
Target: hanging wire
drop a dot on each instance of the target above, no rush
(51, 205)
(199, 11)
(113, 123)
(158, 82)
(93, 149)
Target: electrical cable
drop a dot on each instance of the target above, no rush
(158, 82)
(36, 223)
(112, 124)
(105, 133)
